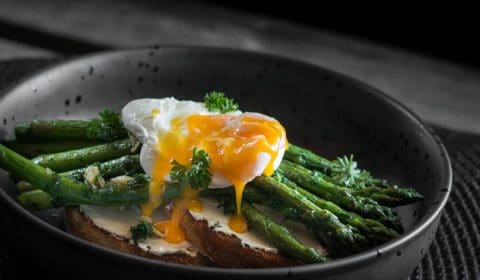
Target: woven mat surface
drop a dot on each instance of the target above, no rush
(455, 252)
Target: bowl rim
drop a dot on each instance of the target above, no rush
(334, 265)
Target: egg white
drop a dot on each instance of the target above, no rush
(149, 129)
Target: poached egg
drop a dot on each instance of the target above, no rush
(241, 146)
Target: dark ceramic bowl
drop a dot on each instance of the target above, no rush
(325, 111)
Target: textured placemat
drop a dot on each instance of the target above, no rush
(455, 252)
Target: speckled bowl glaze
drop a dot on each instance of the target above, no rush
(322, 110)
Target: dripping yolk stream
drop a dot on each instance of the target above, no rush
(171, 228)
(235, 144)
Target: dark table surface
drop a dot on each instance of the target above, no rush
(440, 92)
(444, 94)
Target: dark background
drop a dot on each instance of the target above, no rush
(450, 32)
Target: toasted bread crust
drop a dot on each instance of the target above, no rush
(80, 225)
(227, 250)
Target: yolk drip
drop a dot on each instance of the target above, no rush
(171, 228)
(234, 144)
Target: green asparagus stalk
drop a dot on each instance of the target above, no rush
(126, 165)
(279, 235)
(23, 186)
(74, 159)
(390, 196)
(40, 200)
(341, 239)
(106, 128)
(342, 171)
(308, 159)
(343, 197)
(56, 130)
(30, 149)
(67, 191)
(37, 200)
(372, 229)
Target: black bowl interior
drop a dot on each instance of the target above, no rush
(324, 111)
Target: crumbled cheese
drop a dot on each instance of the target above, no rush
(121, 180)
(92, 176)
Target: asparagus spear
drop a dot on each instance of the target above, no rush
(40, 200)
(23, 186)
(126, 165)
(106, 128)
(343, 197)
(370, 228)
(67, 191)
(279, 236)
(390, 196)
(308, 159)
(30, 149)
(52, 130)
(73, 159)
(340, 238)
(342, 171)
(37, 200)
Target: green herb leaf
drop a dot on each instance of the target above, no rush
(346, 173)
(216, 101)
(172, 191)
(197, 176)
(141, 231)
(178, 174)
(108, 127)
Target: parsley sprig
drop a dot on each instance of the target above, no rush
(197, 175)
(216, 101)
(141, 231)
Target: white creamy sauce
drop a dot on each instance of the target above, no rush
(118, 221)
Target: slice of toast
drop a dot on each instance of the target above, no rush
(215, 247)
(82, 226)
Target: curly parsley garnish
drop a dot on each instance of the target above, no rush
(197, 175)
(141, 231)
(108, 127)
(216, 101)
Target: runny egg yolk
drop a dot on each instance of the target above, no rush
(233, 143)
(171, 228)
